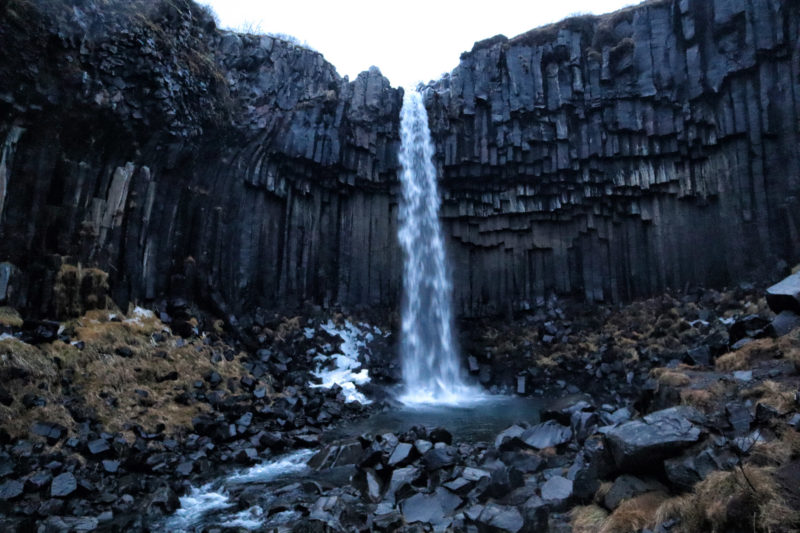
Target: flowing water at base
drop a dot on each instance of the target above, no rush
(216, 504)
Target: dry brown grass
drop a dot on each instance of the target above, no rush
(635, 514)
(776, 395)
(587, 518)
(106, 382)
(670, 378)
(9, 317)
(726, 500)
(744, 357)
(699, 398)
(777, 452)
(78, 289)
(16, 356)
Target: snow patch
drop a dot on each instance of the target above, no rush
(345, 372)
(140, 314)
(6, 336)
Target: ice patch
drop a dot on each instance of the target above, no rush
(344, 374)
(288, 464)
(308, 333)
(139, 314)
(728, 321)
(194, 506)
(6, 336)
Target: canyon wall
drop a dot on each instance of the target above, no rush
(602, 157)
(614, 157)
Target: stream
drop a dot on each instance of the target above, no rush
(260, 497)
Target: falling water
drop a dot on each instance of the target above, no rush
(431, 369)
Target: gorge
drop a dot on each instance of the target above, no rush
(184, 162)
(241, 292)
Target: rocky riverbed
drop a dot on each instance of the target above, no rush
(676, 413)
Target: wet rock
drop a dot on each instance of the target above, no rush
(784, 323)
(562, 409)
(626, 487)
(785, 295)
(583, 424)
(11, 490)
(753, 326)
(585, 476)
(623, 414)
(402, 455)
(430, 508)
(440, 435)
(508, 439)
(400, 483)
(546, 435)
(521, 385)
(739, 417)
(185, 468)
(51, 431)
(535, 512)
(685, 471)
(503, 480)
(523, 461)
(387, 519)
(700, 356)
(38, 481)
(63, 485)
(460, 485)
(98, 447)
(247, 456)
(495, 517)
(644, 443)
(111, 466)
(369, 484)
(557, 492)
(437, 458)
(422, 446)
(165, 499)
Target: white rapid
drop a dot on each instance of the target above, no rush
(431, 369)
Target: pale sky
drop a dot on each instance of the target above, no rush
(410, 41)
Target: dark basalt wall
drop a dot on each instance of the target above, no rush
(613, 157)
(606, 157)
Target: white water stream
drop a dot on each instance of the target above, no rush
(431, 369)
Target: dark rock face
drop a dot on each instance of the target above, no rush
(592, 158)
(600, 155)
(642, 444)
(785, 295)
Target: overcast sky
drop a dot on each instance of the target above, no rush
(410, 41)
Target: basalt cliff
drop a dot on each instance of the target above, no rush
(605, 157)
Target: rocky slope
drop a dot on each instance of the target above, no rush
(591, 158)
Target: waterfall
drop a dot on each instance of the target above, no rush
(431, 369)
